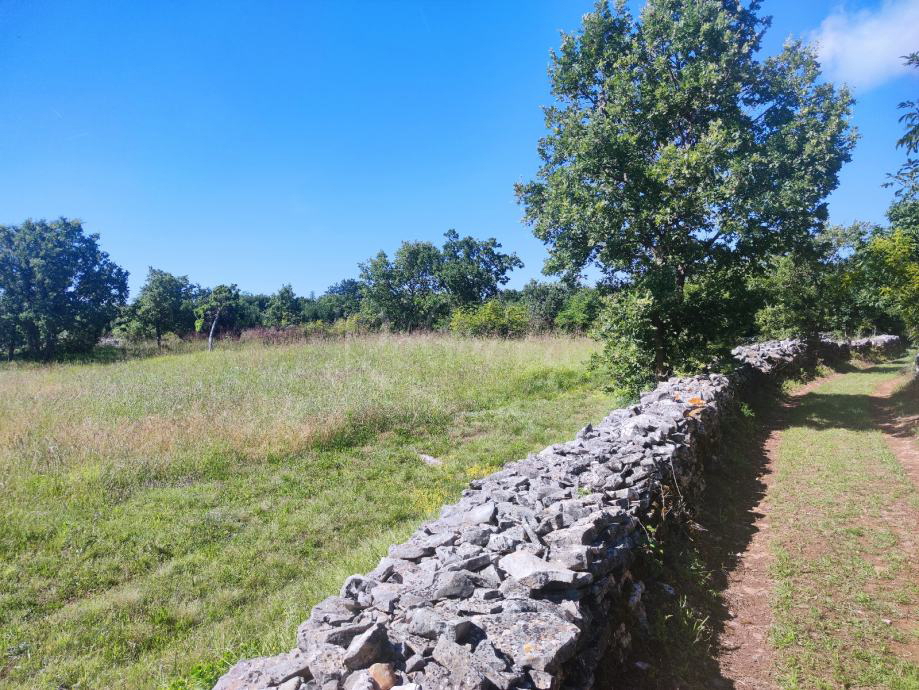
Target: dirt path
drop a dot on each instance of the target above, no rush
(899, 429)
(744, 656)
(757, 542)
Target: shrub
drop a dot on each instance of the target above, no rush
(491, 319)
(354, 324)
(316, 329)
(580, 311)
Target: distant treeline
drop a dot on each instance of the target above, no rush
(59, 293)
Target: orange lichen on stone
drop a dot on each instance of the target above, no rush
(696, 400)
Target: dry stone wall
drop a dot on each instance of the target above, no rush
(526, 581)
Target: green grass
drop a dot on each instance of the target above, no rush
(165, 516)
(847, 584)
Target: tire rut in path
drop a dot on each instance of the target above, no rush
(899, 430)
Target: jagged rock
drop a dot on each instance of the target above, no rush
(535, 573)
(532, 640)
(481, 515)
(429, 624)
(455, 584)
(360, 681)
(369, 647)
(384, 675)
(264, 671)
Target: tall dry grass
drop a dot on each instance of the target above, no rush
(162, 516)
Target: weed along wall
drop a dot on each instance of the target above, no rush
(526, 582)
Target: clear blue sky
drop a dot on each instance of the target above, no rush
(262, 143)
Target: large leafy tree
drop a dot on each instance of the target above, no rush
(891, 260)
(419, 285)
(341, 300)
(165, 304)
(676, 161)
(58, 289)
(406, 292)
(283, 309)
(896, 253)
(473, 270)
(904, 212)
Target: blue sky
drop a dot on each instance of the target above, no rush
(263, 143)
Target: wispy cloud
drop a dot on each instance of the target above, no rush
(864, 48)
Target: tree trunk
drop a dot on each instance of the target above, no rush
(159, 344)
(10, 350)
(210, 336)
(49, 348)
(33, 342)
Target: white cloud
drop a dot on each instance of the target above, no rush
(864, 48)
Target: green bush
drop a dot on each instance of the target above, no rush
(316, 329)
(580, 311)
(354, 324)
(491, 319)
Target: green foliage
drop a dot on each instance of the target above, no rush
(545, 301)
(165, 305)
(58, 290)
(472, 269)
(905, 209)
(406, 292)
(627, 331)
(218, 311)
(893, 258)
(675, 157)
(416, 289)
(283, 309)
(341, 300)
(580, 311)
(794, 305)
(493, 318)
(821, 286)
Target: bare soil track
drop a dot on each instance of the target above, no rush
(733, 542)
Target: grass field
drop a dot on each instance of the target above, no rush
(163, 517)
(844, 513)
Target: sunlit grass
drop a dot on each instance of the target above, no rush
(164, 516)
(846, 594)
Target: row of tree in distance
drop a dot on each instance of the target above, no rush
(457, 287)
(59, 292)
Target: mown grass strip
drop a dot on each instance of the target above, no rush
(845, 519)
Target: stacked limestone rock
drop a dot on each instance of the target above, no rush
(772, 357)
(880, 344)
(525, 582)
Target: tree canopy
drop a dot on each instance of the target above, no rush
(675, 160)
(165, 304)
(419, 285)
(58, 290)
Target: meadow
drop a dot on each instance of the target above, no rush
(163, 517)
